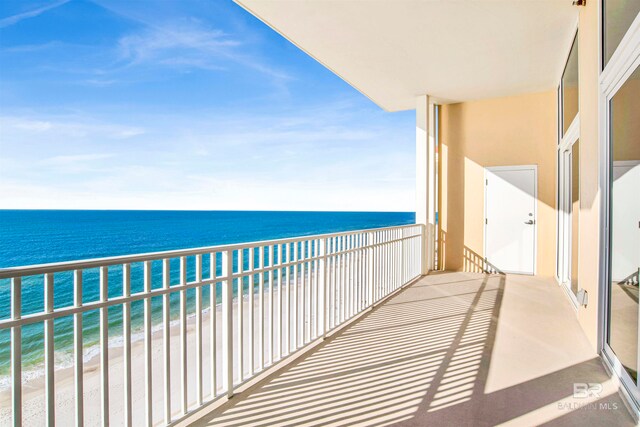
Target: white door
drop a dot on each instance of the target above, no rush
(510, 218)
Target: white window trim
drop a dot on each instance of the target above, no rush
(571, 137)
(565, 142)
(622, 64)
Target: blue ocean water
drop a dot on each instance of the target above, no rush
(42, 236)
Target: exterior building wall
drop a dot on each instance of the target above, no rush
(518, 130)
(589, 243)
(523, 130)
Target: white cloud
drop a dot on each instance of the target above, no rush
(156, 42)
(69, 159)
(186, 44)
(33, 47)
(325, 158)
(63, 127)
(31, 125)
(123, 150)
(14, 19)
(206, 194)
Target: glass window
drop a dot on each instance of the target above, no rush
(570, 88)
(560, 218)
(624, 267)
(618, 16)
(575, 213)
(569, 215)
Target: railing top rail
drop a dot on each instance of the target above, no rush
(30, 270)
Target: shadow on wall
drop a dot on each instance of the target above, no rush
(441, 250)
(420, 359)
(519, 130)
(473, 262)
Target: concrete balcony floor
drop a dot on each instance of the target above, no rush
(453, 349)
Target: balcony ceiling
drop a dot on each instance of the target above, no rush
(453, 50)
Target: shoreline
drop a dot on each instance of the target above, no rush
(33, 390)
(91, 352)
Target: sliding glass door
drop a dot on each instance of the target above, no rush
(624, 220)
(620, 89)
(569, 175)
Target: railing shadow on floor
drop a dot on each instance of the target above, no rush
(422, 358)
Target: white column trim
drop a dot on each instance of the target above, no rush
(425, 178)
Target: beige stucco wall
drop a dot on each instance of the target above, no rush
(519, 130)
(588, 258)
(522, 130)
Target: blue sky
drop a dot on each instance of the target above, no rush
(184, 105)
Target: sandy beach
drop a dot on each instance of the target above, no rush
(33, 391)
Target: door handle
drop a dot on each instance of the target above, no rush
(530, 222)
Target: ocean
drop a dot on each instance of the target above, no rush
(43, 236)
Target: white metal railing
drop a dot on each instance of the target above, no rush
(271, 298)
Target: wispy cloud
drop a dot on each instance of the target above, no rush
(148, 42)
(188, 44)
(65, 127)
(70, 159)
(179, 43)
(86, 165)
(14, 19)
(202, 193)
(306, 159)
(187, 104)
(33, 47)
(97, 82)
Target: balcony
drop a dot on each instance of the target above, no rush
(339, 329)
(146, 347)
(452, 349)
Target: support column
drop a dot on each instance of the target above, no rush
(425, 178)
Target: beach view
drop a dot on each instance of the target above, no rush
(346, 213)
(65, 236)
(160, 127)
(65, 232)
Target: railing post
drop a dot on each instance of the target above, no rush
(166, 337)
(424, 250)
(402, 258)
(322, 295)
(183, 335)
(370, 277)
(16, 351)
(239, 308)
(251, 310)
(271, 318)
(227, 321)
(261, 309)
(213, 301)
(199, 330)
(49, 354)
(126, 341)
(148, 355)
(77, 347)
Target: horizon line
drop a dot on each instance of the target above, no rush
(199, 210)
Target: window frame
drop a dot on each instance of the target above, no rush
(603, 37)
(561, 131)
(566, 139)
(623, 62)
